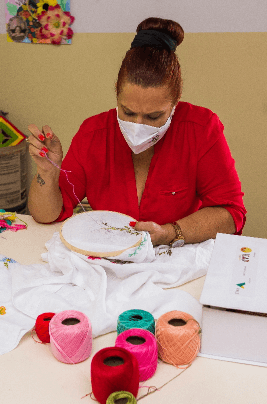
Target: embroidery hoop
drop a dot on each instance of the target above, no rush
(102, 234)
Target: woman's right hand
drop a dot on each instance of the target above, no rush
(47, 141)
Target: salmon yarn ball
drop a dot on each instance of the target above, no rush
(178, 338)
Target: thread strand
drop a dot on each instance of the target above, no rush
(38, 342)
(151, 392)
(79, 202)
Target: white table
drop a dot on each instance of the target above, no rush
(30, 374)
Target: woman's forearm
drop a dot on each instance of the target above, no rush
(197, 227)
(206, 223)
(45, 200)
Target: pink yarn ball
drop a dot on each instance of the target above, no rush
(70, 336)
(146, 353)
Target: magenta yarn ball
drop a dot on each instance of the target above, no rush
(143, 345)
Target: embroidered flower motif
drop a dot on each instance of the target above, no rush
(93, 258)
(55, 24)
(7, 260)
(127, 229)
(139, 247)
(2, 310)
(168, 252)
(114, 261)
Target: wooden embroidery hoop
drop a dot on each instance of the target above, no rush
(73, 230)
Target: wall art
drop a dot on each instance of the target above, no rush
(39, 21)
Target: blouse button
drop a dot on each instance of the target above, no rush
(173, 193)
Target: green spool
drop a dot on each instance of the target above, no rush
(120, 395)
(135, 319)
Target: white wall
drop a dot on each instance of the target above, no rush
(193, 15)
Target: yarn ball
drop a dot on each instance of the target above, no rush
(135, 319)
(112, 399)
(178, 338)
(42, 326)
(143, 345)
(114, 369)
(70, 336)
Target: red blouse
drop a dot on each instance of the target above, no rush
(192, 168)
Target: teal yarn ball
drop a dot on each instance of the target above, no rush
(135, 319)
(121, 394)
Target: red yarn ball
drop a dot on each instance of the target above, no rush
(42, 326)
(106, 378)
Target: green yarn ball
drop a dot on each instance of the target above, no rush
(121, 394)
(135, 319)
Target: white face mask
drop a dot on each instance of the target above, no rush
(140, 137)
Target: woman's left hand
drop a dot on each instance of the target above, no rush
(159, 234)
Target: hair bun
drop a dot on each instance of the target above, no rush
(170, 27)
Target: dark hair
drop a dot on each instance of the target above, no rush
(149, 66)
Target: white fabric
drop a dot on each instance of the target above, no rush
(103, 233)
(140, 137)
(100, 288)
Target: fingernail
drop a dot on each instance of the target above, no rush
(132, 224)
(41, 137)
(42, 154)
(49, 135)
(45, 149)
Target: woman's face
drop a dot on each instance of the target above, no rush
(150, 106)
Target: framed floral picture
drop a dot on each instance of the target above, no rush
(39, 21)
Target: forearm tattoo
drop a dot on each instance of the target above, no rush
(40, 180)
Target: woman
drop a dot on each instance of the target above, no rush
(162, 161)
